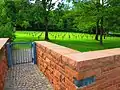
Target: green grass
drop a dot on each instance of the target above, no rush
(77, 41)
(21, 46)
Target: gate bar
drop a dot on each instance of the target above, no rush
(34, 52)
(21, 43)
(9, 54)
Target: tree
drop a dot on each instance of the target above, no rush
(56, 17)
(28, 14)
(48, 5)
(113, 16)
(97, 13)
(97, 4)
(7, 22)
(85, 15)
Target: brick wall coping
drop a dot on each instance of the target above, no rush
(3, 41)
(57, 48)
(94, 54)
(80, 56)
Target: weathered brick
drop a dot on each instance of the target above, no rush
(53, 65)
(70, 84)
(47, 61)
(60, 69)
(57, 74)
(117, 59)
(70, 73)
(3, 71)
(56, 56)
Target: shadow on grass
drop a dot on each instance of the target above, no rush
(88, 45)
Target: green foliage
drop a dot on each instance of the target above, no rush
(7, 21)
(113, 16)
(25, 24)
(6, 31)
(87, 12)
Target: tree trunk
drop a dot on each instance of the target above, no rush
(97, 30)
(45, 19)
(104, 34)
(101, 41)
(101, 32)
(101, 28)
(46, 28)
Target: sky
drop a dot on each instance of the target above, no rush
(65, 2)
(53, 1)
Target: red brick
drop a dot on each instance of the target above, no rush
(56, 56)
(62, 86)
(45, 65)
(51, 77)
(62, 78)
(112, 88)
(117, 59)
(49, 56)
(50, 69)
(117, 86)
(60, 69)
(3, 71)
(57, 74)
(57, 87)
(70, 84)
(109, 83)
(64, 60)
(1, 86)
(47, 61)
(52, 65)
(109, 68)
(89, 73)
(72, 73)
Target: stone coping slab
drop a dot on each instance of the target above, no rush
(57, 48)
(93, 54)
(3, 41)
(80, 56)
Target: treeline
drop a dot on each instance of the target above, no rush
(86, 16)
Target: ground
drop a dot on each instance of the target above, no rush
(26, 77)
(78, 41)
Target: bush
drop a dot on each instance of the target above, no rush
(7, 31)
(115, 34)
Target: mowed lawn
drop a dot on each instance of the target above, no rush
(78, 41)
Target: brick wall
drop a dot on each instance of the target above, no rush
(3, 62)
(67, 69)
(3, 68)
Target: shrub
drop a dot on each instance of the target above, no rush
(7, 31)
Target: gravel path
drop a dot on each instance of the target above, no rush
(26, 77)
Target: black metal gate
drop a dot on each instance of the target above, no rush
(21, 52)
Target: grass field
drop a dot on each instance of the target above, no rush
(77, 41)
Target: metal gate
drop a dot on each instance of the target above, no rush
(21, 52)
